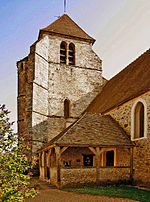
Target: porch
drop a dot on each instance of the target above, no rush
(76, 165)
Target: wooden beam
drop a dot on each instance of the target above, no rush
(46, 148)
(63, 149)
(92, 150)
(87, 145)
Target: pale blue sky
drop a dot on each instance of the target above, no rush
(121, 29)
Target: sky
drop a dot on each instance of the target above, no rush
(121, 29)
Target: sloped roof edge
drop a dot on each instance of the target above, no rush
(64, 25)
(129, 83)
(57, 139)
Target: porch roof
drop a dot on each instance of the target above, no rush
(95, 130)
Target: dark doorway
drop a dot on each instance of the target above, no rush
(67, 108)
(88, 160)
(48, 173)
(110, 158)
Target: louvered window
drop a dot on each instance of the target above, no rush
(63, 51)
(71, 54)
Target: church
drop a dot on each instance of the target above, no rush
(85, 129)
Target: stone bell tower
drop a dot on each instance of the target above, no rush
(57, 80)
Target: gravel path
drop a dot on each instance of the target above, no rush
(54, 195)
(51, 194)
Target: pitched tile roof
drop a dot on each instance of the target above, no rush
(128, 84)
(64, 25)
(93, 130)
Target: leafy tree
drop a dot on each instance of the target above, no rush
(14, 163)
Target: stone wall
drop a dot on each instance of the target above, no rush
(77, 176)
(114, 174)
(74, 177)
(53, 82)
(21, 99)
(53, 175)
(141, 155)
(25, 89)
(44, 84)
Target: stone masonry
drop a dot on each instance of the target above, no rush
(44, 84)
(141, 155)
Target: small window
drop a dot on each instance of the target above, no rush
(88, 160)
(63, 51)
(67, 163)
(22, 67)
(110, 158)
(71, 54)
(139, 120)
(67, 108)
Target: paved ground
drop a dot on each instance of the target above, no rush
(48, 193)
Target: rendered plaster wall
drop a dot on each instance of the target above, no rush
(141, 156)
(77, 176)
(54, 82)
(122, 157)
(75, 155)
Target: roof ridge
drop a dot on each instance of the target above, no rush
(137, 58)
(54, 21)
(137, 65)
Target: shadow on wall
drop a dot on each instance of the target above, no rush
(53, 125)
(79, 106)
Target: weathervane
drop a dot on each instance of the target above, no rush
(64, 6)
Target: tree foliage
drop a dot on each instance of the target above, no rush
(14, 163)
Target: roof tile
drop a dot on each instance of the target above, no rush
(66, 26)
(93, 129)
(127, 84)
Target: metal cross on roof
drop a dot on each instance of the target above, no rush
(65, 6)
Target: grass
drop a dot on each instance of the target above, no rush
(115, 191)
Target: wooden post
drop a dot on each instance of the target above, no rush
(57, 150)
(48, 164)
(45, 166)
(97, 153)
(131, 164)
(40, 164)
(48, 158)
(97, 163)
(43, 170)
